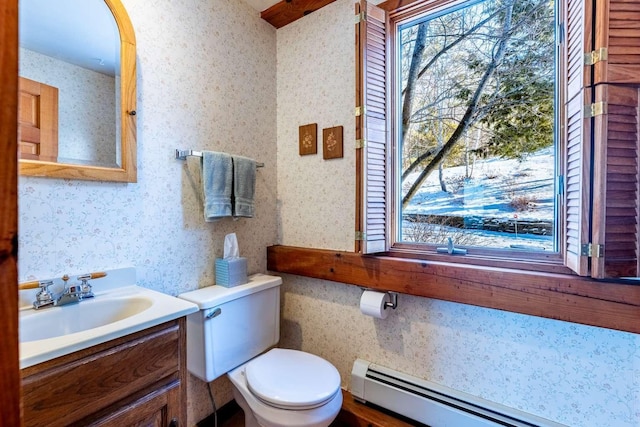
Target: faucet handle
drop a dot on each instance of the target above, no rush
(34, 284)
(85, 288)
(94, 275)
(44, 296)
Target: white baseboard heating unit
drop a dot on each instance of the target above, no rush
(432, 404)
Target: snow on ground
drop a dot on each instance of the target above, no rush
(494, 184)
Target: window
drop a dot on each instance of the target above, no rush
(586, 216)
(474, 126)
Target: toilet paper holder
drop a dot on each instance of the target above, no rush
(393, 296)
(394, 300)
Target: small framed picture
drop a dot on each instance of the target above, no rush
(332, 143)
(308, 139)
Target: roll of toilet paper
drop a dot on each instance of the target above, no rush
(372, 304)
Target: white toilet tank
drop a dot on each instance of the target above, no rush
(233, 325)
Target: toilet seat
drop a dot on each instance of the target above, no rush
(291, 379)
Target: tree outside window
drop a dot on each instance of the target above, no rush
(476, 126)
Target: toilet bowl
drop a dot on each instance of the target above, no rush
(231, 335)
(287, 388)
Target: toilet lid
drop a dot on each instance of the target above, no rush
(292, 379)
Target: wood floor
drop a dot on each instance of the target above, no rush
(236, 420)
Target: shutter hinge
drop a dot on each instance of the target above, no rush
(361, 17)
(595, 56)
(361, 143)
(596, 109)
(361, 235)
(360, 111)
(560, 184)
(560, 32)
(591, 250)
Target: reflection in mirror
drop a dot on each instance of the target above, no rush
(77, 83)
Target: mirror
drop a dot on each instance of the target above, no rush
(83, 54)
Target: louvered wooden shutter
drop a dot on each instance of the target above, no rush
(617, 31)
(615, 177)
(577, 78)
(608, 235)
(371, 128)
(616, 139)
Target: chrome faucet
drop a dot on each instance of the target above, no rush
(70, 294)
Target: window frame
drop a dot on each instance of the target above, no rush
(483, 256)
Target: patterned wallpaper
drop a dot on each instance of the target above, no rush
(86, 107)
(316, 81)
(577, 375)
(206, 80)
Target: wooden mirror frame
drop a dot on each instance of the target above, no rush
(127, 172)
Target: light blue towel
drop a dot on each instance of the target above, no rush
(244, 185)
(217, 185)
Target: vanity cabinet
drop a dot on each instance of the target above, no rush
(136, 380)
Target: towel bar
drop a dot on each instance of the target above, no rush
(182, 155)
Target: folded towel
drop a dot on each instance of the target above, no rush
(217, 184)
(244, 185)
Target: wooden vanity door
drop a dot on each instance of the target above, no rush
(135, 380)
(160, 408)
(38, 121)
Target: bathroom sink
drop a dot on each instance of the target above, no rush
(119, 308)
(69, 319)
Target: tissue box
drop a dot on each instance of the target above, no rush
(231, 272)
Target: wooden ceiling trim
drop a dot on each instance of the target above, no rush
(396, 5)
(285, 12)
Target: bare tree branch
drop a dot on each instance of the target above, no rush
(416, 58)
(467, 118)
(453, 44)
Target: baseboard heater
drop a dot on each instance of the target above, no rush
(433, 404)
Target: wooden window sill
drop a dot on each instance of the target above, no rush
(556, 296)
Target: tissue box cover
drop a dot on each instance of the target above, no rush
(231, 272)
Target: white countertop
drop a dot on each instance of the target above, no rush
(162, 308)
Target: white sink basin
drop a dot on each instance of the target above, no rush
(69, 319)
(119, 308)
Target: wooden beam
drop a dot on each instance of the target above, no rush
(551, 295)
(392, 5)
(285, 12)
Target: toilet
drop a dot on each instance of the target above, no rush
(234, 333)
